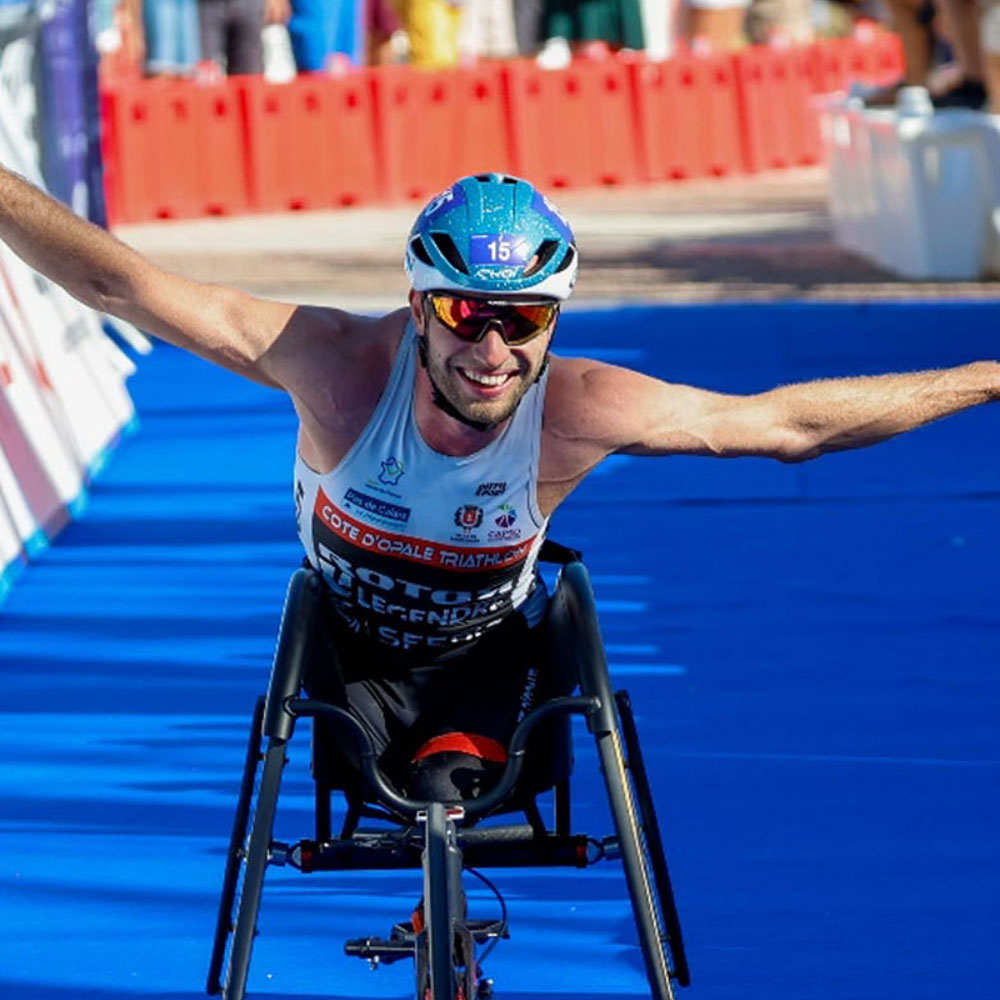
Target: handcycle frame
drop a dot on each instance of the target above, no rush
(438, 837)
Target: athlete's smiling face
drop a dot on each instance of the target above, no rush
(485, 379)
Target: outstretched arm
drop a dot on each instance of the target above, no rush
(221, 324)
(634, 414)
(843, 413)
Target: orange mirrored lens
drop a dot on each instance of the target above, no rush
(468, 318)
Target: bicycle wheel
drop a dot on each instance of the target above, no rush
(465, 968)
(255, 866)
(577, 595)
(234, 856)
(653, 840)
(635, 862)
(439, 932)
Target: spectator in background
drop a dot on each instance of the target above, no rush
(617, 23)
(716, 25)
(990, 37)
(172, 43)
(488, 30)
(771, 22)
(381, 24)
(659, 27)
(528, 25)
(913, 21)
(128, 19)
(327, 34)
(957, 84)
(230, 32)
(433, 27)
(120, 38)
(961, 25)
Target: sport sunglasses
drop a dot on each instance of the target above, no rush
(468, 318)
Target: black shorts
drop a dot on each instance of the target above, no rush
(230, 34)
(466, 701)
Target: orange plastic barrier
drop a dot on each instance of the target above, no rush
(434, 126)
(311, 142)
(574, 127)
(780, 127)
(416, 114)
(175, 150)
(132, 142)
(352, 129)
(535, 127)
(180, 149)
(874, 58)
(222, 176)
(482, 125)
(887, 60)
(609, 116)
(688, 118)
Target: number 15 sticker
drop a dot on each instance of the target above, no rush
(502, 248)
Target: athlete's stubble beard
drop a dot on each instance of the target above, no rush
(485, 414)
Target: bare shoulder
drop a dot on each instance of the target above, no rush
(594, 409)
(333, 362)
(593, 403)
(340, 367)
(588, 415)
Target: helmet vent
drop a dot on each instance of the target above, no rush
(567, 260)
(449, 251)
(543, 255)
(420, 251)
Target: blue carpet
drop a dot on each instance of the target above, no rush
(812, 651)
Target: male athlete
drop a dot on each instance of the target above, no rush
(435, 442)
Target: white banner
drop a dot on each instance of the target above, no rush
(63, 402)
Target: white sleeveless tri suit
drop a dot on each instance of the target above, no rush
(425, 552)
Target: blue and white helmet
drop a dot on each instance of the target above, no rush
(492, 233)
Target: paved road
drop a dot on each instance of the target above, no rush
(763, 238)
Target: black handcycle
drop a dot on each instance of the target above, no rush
(446, 840)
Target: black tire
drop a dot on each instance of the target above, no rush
(574, 604)
(234, 856)
(254, 867)
(635, 862)
(439, 915)
(294, 636)
(655, 856)
(423, 975)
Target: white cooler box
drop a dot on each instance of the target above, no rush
(914, 190)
